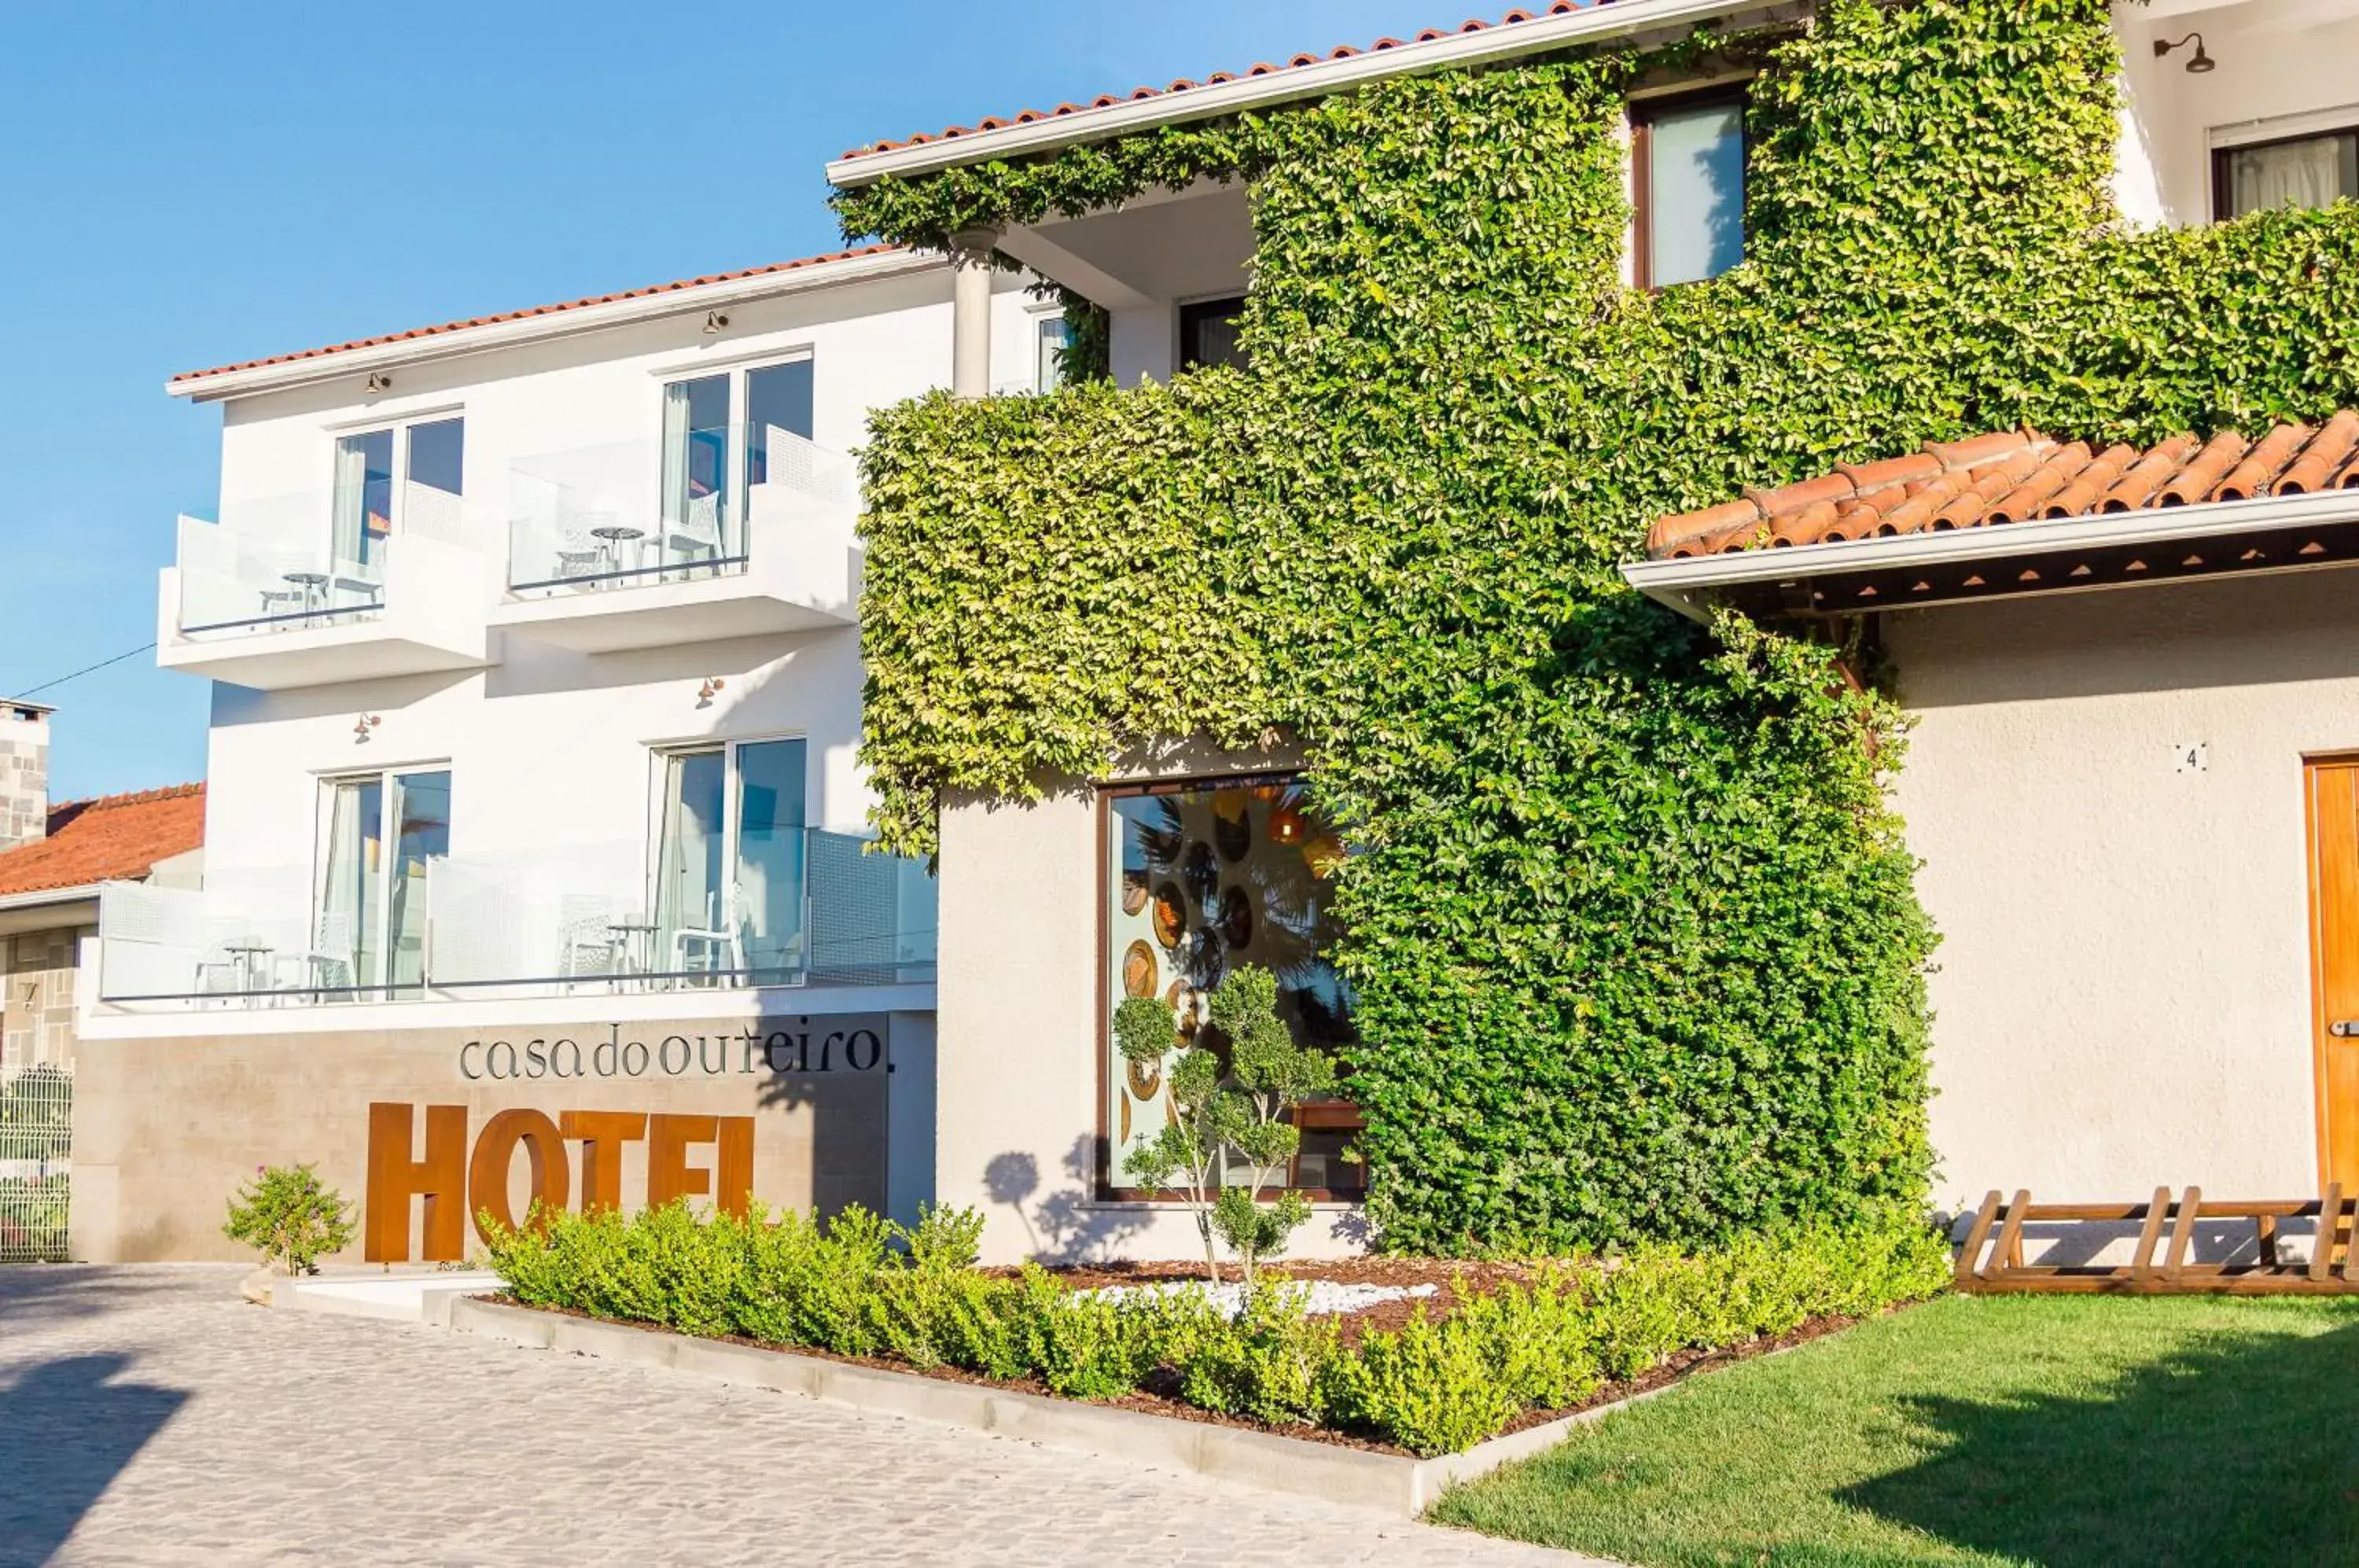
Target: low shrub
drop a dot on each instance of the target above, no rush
(291, 1216)
(861, 1284)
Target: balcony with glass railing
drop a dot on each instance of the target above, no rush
(822, 913)
(326, 585)
(739, 531)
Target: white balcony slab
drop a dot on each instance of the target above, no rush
(432, 619)
(801, 574)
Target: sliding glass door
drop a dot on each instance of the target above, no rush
(722, 441)
(729, 862)
(368, 931)
(403, 476)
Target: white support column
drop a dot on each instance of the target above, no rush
(971, 270)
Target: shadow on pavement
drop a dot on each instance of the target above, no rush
(2238, 1451)
(67, 1428)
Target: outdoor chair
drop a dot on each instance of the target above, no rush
(587, 945)
(718, 948)
(328, 965)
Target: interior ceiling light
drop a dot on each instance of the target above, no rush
(2198, 62)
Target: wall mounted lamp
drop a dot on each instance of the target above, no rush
(378, 383)
(362, 725)
(714, 322)
(706, 692)
(2198, 62)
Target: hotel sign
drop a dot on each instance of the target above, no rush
(854, 1043)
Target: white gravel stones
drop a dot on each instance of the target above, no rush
(1321, 1296)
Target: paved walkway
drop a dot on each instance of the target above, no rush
(151, 1416)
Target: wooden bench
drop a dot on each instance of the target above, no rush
(1991, 1260)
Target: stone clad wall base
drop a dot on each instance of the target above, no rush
(166, 1129)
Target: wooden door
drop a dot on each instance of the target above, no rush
(2335, 964)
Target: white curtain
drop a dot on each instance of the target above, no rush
(349, 539)
(2290, 174)
(674, 455)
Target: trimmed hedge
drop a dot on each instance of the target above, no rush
(862, 1286)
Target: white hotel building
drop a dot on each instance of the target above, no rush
(536, 690)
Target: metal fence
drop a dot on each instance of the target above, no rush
(35, 1163)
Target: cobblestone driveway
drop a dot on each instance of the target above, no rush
(149, 1416)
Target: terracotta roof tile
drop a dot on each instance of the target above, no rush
(2009, 476)
(461, 325)
(111, 836)
(1107, 100)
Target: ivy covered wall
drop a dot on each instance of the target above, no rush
(1633, 929)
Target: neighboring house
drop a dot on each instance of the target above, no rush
(52, 858)
(537, 689)
(2109, 790)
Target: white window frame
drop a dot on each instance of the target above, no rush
(659, 754)
(400, 430)
(324, 785)
(738, 371)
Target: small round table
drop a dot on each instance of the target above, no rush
(311, 584)
(615, 536)
(250, 953)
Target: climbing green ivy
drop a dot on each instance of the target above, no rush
(1633, 931)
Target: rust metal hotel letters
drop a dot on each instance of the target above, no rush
(456, 1186)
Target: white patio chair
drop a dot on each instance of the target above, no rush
(587, 948)
(719, 947)
(328, 965)
(696, 534)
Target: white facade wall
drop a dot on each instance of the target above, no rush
(2281, 67)
(548, 748)
(2123, 997)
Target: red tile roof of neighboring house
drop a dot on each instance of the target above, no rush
(462, 325)
(1108, 100)
(112, 836)
(2015, 476)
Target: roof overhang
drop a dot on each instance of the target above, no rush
(1608, 20)
(2170, 544)
(559, 322)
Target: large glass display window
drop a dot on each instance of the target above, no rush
(1201, 877)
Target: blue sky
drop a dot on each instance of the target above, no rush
(186, 185)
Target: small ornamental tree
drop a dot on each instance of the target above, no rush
(291, 1216)
(1242, 1114)
(1184, 1156)
(1271, 1076)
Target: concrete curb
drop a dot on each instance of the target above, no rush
(1389, 1483)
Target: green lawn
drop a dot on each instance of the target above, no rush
(2054, 1430)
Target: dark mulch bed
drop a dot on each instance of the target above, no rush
(1155, 1401)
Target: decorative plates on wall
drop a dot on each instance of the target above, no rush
(1231, 824)
(1140, 970)
(1236, 918)
(1170, 916)
(1202, 873)
(1133, 892)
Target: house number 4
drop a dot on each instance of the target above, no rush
(2192, 756)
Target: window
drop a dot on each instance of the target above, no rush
(1048, 353)
(1688, 184)
(714, 467)
(1208, 333)
(1201, 877)
(374, 493)
(729, 864)
(369, 927)
(2296, 171)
